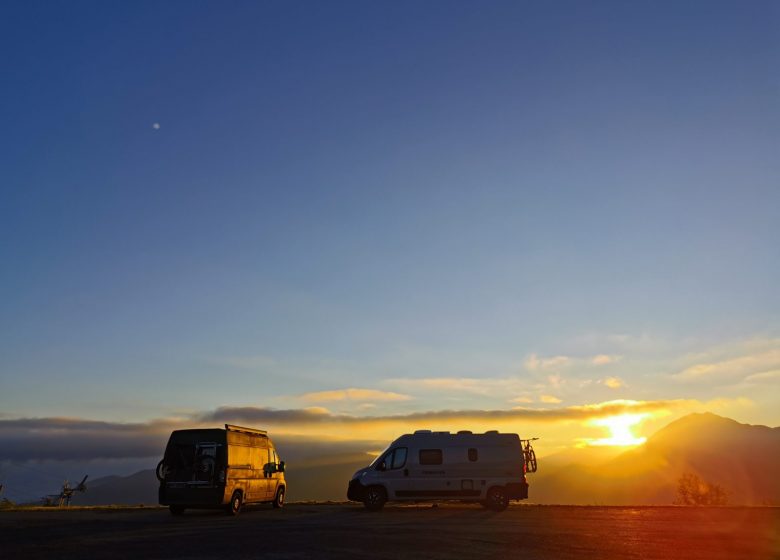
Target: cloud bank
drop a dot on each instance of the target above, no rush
(24, 439)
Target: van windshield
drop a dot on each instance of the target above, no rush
(380, 456)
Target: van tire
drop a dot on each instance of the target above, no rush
(497, 499)
(236, 502)
(374, 498)
(176, 510)
(278, 502)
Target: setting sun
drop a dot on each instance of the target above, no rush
(620, 428)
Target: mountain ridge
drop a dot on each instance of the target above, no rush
(743, 458)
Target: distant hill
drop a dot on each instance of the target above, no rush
(138, 488)
(742, 458)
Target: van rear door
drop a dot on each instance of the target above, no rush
(193, 463)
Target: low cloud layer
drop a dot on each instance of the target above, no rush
(25, 439)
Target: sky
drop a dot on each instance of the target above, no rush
(353, 219)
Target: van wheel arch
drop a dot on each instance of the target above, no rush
(496, 499)
(278, 502)
(236, 502)
(374, 497)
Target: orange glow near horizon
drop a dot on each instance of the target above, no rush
(620, 429)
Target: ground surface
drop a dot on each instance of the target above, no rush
(347, 531)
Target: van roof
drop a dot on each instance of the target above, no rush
(461, 438)
(459, 433)
(242, 429)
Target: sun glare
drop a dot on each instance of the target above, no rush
(620, 429)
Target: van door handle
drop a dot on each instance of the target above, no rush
(406, 472)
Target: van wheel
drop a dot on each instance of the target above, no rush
(497, 499)
(375, 498)
(236, 501)
(279, 499)
(176, 510)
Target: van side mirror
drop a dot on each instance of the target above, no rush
(381, 466)
(280, 466)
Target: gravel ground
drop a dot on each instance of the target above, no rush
(424, 531)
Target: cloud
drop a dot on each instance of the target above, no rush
(366, 406)
(80, 439)
(535, 363)
(556, 381)
(603, 359)
(769, 376)
(353, 394)
(549, 399)
(613, 382)
(156, 126)
(83, 439)
(761, 363)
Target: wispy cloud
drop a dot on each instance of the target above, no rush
(550, 399)
(537, 363)
(613, 382)
(751, 363)
(604, 359)
(353, 394)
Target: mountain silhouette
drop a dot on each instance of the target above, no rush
(743, 459)
(323, 479)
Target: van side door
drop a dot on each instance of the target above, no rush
(430, 473)
(257, 487)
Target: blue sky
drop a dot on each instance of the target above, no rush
(470, 205)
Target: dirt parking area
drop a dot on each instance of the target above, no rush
(347, 531)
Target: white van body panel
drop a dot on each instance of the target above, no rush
(441, 465)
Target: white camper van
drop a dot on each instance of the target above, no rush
(488, 468)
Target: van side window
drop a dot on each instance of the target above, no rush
(473, 456)
(399, 458)
(430, 457)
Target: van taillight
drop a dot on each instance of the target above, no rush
(222, 475)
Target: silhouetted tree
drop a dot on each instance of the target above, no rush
(693, 491)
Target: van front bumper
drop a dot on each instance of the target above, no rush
(355, 491)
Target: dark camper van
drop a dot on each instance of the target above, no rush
(212, 468)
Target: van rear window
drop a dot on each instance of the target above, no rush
(430, 457)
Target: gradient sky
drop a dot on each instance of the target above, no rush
(389, 208)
